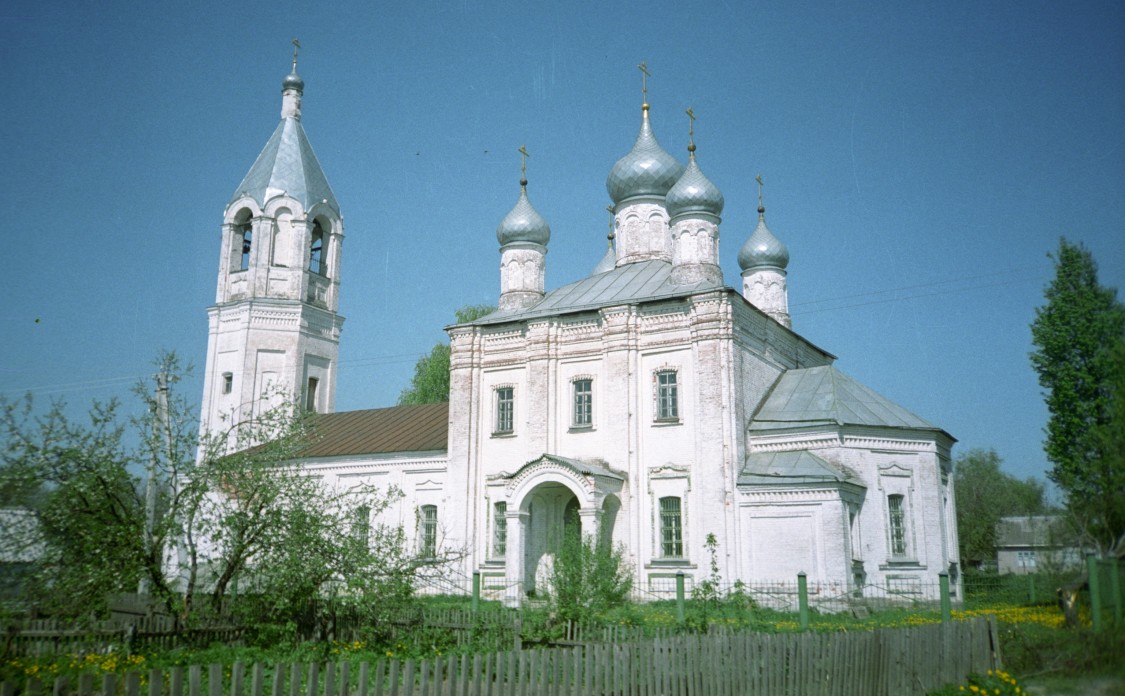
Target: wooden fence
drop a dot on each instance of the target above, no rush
(887, 661)
(50, 637)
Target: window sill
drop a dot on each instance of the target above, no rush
(503, 434)
(658, 563)
(581, 429)
(665, 422)
(901, 564)
(495, 563)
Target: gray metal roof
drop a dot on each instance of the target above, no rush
(792, 468)
(287, 165)
(824, 395)
(578, 466)
(634, 282)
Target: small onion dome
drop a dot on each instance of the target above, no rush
(608, 262)
(694, 193)
(293, 81)
(646, 171)
(523, 224)
(763, 249)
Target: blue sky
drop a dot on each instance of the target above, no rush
(921, 161)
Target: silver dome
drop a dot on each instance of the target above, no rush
(694, 193)
(763, 249)
(646, 171)
(293, 81)
(523, 224)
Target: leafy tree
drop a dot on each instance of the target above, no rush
(88, 533)
(588, 578)
(1078, 336)
(985, 493)
(430, 384)
(231, 512)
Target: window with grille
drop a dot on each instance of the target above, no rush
(897, 524)
(671, 528)
(667, 396)
(499, 530)
(505, 410)
(583, 403)
(427, 543)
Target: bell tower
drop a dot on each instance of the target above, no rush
(274, 330)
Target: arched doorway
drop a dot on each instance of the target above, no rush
(552, 516)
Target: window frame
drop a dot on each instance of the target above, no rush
(427, 531)
(499, 542)
(666, 384)
(504, 410)
(897, 542)
(228, 383)
(312, 394)
(671, 527)
(582, 403)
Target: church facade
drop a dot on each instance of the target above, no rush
(649, 404)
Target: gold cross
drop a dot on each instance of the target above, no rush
(691, 126)
(645, 74)
(524, 154)
(296, 45)
(760, 185)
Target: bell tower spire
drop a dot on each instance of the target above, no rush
(274, 330)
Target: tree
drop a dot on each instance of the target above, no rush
(1078, 335)
(985, 493)
(233, 510)
(430, 384)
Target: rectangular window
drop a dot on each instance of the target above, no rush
(499, 530)
(505, 410)
(667, 396)
(310, 394)
(583, 403)
(228, 382)
(671, 528)
(361, 524)
(897, 525)
(427, 541)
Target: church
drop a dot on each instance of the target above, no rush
(649, 404)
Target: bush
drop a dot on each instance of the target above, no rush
(589, 579)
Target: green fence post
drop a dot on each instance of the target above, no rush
(803, 599)
(1095, 591)
(1115, 588)
(680, 596)
(946, 607)
(476, 591)
(1031, 588)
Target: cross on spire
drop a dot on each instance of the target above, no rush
(691, 130)
(296, 46)
(645, 74)
(761, 183)
(609, 209)
(524, 154)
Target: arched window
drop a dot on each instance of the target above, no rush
(316, 251)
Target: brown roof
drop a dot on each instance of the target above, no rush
(421, 428)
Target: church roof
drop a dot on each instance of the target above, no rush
(824, 395)
(287, 165)
(421, 428)
(633, 282)
(792, 468)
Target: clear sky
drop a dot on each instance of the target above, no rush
(921, 161)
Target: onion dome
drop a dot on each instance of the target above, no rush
(763, 249)
(293, 81)
(523, 224)
(646, 171)
(694, 193)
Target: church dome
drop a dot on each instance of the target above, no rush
(646, 171)
(694, 193)
(293, 81)
(523, 224)
(763, 249)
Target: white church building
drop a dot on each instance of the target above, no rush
(649, 403)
